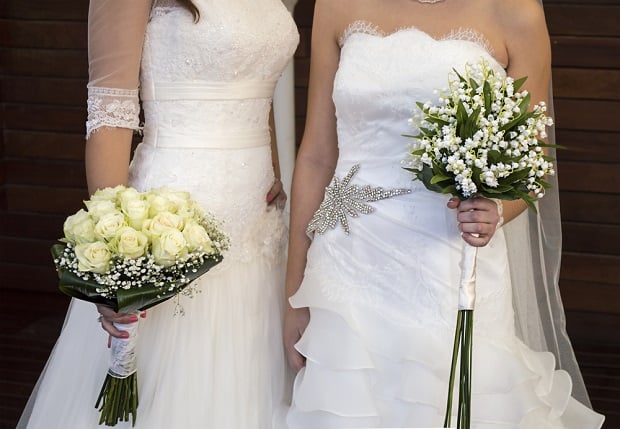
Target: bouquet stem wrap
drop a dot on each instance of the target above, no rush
(118, 399)
(463, 339)
(467, 285)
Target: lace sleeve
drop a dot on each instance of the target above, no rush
(115, 38)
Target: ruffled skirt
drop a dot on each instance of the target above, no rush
(383, 308)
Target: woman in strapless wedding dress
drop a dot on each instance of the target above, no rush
(380, 289)
(205, 81)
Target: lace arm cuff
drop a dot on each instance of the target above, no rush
(112, 107)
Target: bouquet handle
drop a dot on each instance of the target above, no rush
(463, 340)
(118, 399)
(467, 285)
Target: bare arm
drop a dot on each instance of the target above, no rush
(315, 163)
(276, 195)
(107, 158)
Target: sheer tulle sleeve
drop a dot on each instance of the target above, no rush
(115, 38)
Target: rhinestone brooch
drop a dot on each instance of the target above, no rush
(342, 200)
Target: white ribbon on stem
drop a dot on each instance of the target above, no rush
(467, 285)
(123, 351)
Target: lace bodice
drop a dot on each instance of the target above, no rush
(206, 89)
(145, 44)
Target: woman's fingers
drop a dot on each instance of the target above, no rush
(477, 220)
(276, 195)
(108, 317)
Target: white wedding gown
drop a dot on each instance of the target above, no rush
(383, 299)
(206, 90)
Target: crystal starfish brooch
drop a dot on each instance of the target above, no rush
(342, 199)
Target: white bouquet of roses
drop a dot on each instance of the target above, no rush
(480, 139)
(132, 250)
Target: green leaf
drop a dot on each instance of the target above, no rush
(525, 104)
(425, 176)
(486, 92)
(439, 178)
(417, 152)
(474, 85)
(500, 189)
(544, 184)
(494, 156)
(517, 84)
(470, 125)
(529, 200)
(519, 120)
(516, 176)
(450, 190)
(461, 78)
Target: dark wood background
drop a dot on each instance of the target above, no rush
(43, 71)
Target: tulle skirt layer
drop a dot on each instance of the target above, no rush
(220, 365)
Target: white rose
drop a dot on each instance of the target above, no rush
(196, 237)
(186, 212)
(79, 228)
(159, 203)
(169, 246)
(109, 224)
(130, 243)
(135, 207)
(108, 194)
(161, 222)
(94, 257)
(178, 198)
(100, 208)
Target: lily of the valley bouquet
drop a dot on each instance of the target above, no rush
(132, 250)
(480, 139)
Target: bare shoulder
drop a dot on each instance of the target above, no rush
(338, 14)
(521, 18)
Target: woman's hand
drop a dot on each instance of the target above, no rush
(276, 196)
(295, 323)
(108, 317)
(478, 219)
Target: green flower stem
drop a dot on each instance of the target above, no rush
(118, 400)
(463, 341)
(455, 354)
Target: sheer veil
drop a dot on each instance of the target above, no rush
(535, 270)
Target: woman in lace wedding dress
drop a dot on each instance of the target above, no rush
(206, 82)
(374, 295)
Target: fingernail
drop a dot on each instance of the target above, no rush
(143, 314)
(269, 198)
(124, 334)
(133, 318)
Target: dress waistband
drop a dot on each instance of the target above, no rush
(239, 139)
(238, 90)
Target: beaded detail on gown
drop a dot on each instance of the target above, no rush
(383, 298)
(206, 88)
